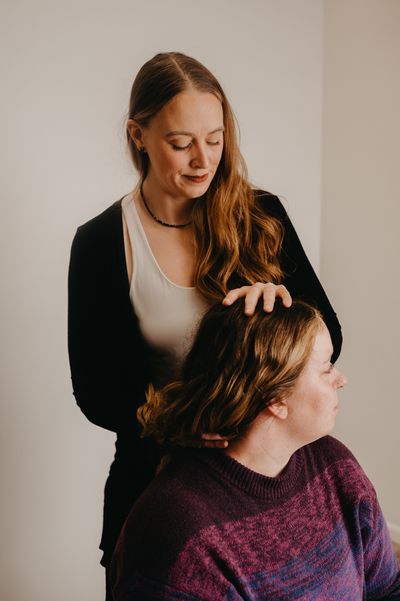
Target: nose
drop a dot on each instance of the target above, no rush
(199, 158)
(341, 379)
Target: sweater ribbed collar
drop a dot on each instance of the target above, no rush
(253, 483)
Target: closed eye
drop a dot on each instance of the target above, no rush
(176, 147)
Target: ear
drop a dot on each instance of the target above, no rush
(279, 409)
(136, 133)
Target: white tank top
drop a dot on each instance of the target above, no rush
(168, 314)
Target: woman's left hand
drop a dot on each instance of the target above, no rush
(211, 441)
(214, 441)
(270, 292)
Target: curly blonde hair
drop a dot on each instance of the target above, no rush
(236, 242)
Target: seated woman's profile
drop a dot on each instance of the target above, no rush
(285, 511)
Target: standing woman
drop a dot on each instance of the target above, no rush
(143, 272)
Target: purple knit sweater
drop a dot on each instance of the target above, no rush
(207, 528)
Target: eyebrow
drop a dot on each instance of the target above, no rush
(188, 133)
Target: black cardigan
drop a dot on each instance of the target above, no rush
(109, 356)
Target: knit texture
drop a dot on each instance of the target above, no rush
(208, 528)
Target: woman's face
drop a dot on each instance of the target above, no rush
(313, 403)
(184, 143)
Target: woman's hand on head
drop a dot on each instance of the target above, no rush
(209, 441)
(251, 294)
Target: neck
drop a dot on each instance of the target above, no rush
(265, 448)
(164, 206)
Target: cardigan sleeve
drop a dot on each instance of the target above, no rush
(300, 278)
(107, 355)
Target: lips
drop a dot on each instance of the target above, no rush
(197, 179)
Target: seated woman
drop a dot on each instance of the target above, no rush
(284, 512)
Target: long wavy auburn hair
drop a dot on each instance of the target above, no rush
(236, 243)
(238, 365)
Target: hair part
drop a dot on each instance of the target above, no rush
(235, 241)
(237, 367)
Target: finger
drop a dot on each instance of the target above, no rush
(251, 299)
(211, 440)
(234, 294)
(284, 294)
(215, 444)
(211, 436)
(269, 295)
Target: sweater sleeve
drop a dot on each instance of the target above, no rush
(300, 277)
(106, 357)
(149, 589)
(381, 568)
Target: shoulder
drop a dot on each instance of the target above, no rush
(163, 521)
(335, 462)
(270, 204)
(173, 508)
(183, 483)
(331, 449)
(163, 524)
(102, 224)
(94, 238)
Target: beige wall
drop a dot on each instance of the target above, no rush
(67, 67)
(66, 72)
(360, 250)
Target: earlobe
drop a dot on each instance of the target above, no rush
(278, 409)
(136, 133)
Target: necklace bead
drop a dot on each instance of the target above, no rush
(156, 218)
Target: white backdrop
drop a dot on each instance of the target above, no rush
(360, 229)
(67, 68)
